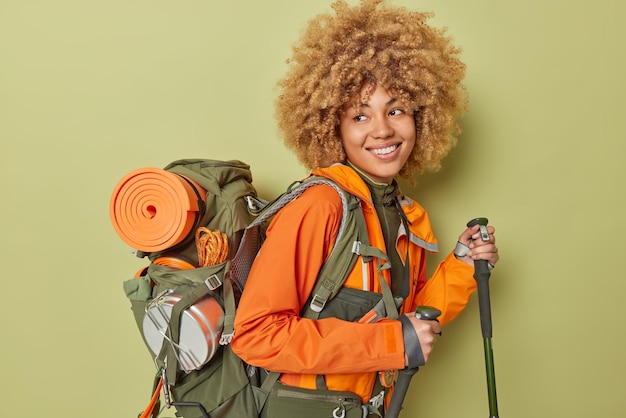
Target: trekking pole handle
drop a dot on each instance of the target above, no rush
(481, 275)
(427, 313)
(484, 235)
(481, 266)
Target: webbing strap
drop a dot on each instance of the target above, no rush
(262, 393)
(320, 382)
(388, 300)
(293, 192)
(368, 251)
(229, 313)
(168, 356)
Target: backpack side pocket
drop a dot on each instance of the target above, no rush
(222, 387)
(139, 292)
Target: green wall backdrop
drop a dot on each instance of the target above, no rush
(90, 90)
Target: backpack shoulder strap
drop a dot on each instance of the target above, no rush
(343, 256)
(352, 241)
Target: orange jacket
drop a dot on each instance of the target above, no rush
(268, 330)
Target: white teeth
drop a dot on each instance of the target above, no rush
(386, 150)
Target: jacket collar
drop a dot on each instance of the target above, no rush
(347, 179)
(420, 226)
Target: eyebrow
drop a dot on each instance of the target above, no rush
(389, 103)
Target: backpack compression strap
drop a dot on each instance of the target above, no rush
(168, 356)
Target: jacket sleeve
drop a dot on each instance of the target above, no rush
(269, 332)
(449, 289)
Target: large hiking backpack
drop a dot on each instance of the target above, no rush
(185, 311)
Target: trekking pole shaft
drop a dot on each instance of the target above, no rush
(400, 389)
(481, 274)
(491, 379)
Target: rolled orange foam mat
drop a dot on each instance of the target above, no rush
(153, 209)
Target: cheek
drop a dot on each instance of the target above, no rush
(349, 136)
(412, 133)
(345, 127)
(413, 142)
(409, 133)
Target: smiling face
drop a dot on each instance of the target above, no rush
(378, 135)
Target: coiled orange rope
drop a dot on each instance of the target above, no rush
(212, 247)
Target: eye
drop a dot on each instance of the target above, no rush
(397, 111)
(359, 118)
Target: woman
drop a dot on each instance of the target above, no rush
(370, 95)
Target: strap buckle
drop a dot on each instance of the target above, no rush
(213, 282)
(377, 401)
(317, 303)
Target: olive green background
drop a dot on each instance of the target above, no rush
(90, 90)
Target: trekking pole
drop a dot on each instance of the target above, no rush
(405, 375)
(481, 275)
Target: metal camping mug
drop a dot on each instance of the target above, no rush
(200, 329)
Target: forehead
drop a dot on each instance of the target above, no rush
(380, 94)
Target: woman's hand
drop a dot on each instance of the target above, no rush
(471, 247)
(427, 332)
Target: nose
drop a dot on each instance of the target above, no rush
(382, 129)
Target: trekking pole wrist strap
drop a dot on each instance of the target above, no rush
(460, 250)
(412, 346)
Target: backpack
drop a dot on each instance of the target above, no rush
(185, 312)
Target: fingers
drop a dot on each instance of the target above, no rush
(487, 252)
(484, 250)
(467, 236)
(427, 334)
(477, 249)
(473, 234)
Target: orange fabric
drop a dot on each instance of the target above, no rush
(268, 330)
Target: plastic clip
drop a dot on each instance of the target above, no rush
(226, 339)
(213, 282)
(317, 303)
(378, 400)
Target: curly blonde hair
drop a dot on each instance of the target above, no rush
(378, 44)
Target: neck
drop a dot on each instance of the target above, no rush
(362, 174)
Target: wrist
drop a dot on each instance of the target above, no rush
(413, 356)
